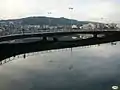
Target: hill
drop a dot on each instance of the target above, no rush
(46, 21)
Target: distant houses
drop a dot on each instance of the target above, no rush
(98, 26)
(7, 28)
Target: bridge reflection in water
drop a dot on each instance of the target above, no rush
(9, 51)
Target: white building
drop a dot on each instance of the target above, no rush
(89, 26)
(74, 27)
(118, 25)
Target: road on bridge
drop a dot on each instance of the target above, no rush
(55, 34)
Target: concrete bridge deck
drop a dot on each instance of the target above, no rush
(54, 34)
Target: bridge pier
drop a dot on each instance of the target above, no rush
(55, 39)
(95, 35)
(44, 39)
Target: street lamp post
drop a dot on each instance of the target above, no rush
(23, 30)
(49, 13)
(70, 8)
(102, 21)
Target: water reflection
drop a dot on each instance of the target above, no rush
(14, 57)
(25, 55)
(94, 68)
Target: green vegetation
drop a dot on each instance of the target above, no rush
(46, 20)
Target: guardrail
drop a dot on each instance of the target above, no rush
(59, 30)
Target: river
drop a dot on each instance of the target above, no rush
(82, 68)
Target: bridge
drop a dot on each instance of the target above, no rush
(12, 50)
(54, 35)
(17, 49)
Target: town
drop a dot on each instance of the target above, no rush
(11, 27)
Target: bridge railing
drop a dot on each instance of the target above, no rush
(58, 30)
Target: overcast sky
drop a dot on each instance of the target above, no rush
(102, 10)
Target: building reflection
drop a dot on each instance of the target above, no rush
(113, 43)
(24, 56)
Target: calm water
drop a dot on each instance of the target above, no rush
(91, 68)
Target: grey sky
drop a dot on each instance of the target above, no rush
(83, 9)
